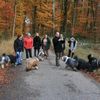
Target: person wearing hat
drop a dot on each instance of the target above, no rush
(72, 46)
(28, 45)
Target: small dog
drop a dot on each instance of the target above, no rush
(32, 64)
(70, 62)
(41, 55)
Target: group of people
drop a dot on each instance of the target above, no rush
(27, 42)
(59, 44)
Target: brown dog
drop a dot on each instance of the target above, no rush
(32, 64)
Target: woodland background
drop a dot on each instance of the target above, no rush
(78, 17)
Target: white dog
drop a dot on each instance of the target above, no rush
(41, 55)
(32, 64)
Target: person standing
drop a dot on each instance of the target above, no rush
(18, 48)
(57, 47)
(46, 45)
(37, 44)
(72, 46)
(28, 45)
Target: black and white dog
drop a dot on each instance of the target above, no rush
(70, 62)
(7, 60)
(41, 55)
(94, 62)
(82, 64)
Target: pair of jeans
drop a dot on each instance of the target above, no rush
(58, 55)
(18, 58)
(28, 53)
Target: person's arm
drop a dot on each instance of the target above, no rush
(40, 41)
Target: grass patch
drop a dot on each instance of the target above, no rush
(6, 46)
(83, 49)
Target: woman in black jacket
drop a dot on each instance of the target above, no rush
(37, 44)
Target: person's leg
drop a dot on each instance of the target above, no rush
(30, 53)
(57, 59)
(69, 53)
(44, 50)
(20, 57)
(26, 53)
(72, 54)
(35, 52)
(38, 50)
(47, 53)
(17, 58)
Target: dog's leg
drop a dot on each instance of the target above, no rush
(2, 66)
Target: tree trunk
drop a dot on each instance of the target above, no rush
(14, 22)
(53, 16)
(74, 16)
(64, 22)
(34, 20)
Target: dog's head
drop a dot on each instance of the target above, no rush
(41, 53)
(65, 58)
(89, 56)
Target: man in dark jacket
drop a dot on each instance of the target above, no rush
(57, 47)
(37, 44)
(18, 47)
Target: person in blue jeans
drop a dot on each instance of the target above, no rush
(18, 47)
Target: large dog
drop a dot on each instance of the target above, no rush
(94, 62)
(82, 64)
(70, 62)
(32, 64)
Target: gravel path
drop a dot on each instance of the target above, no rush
(50, 83)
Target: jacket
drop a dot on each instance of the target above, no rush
(37, 42)
(57, 44)
(18, 45)
(28, 42)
